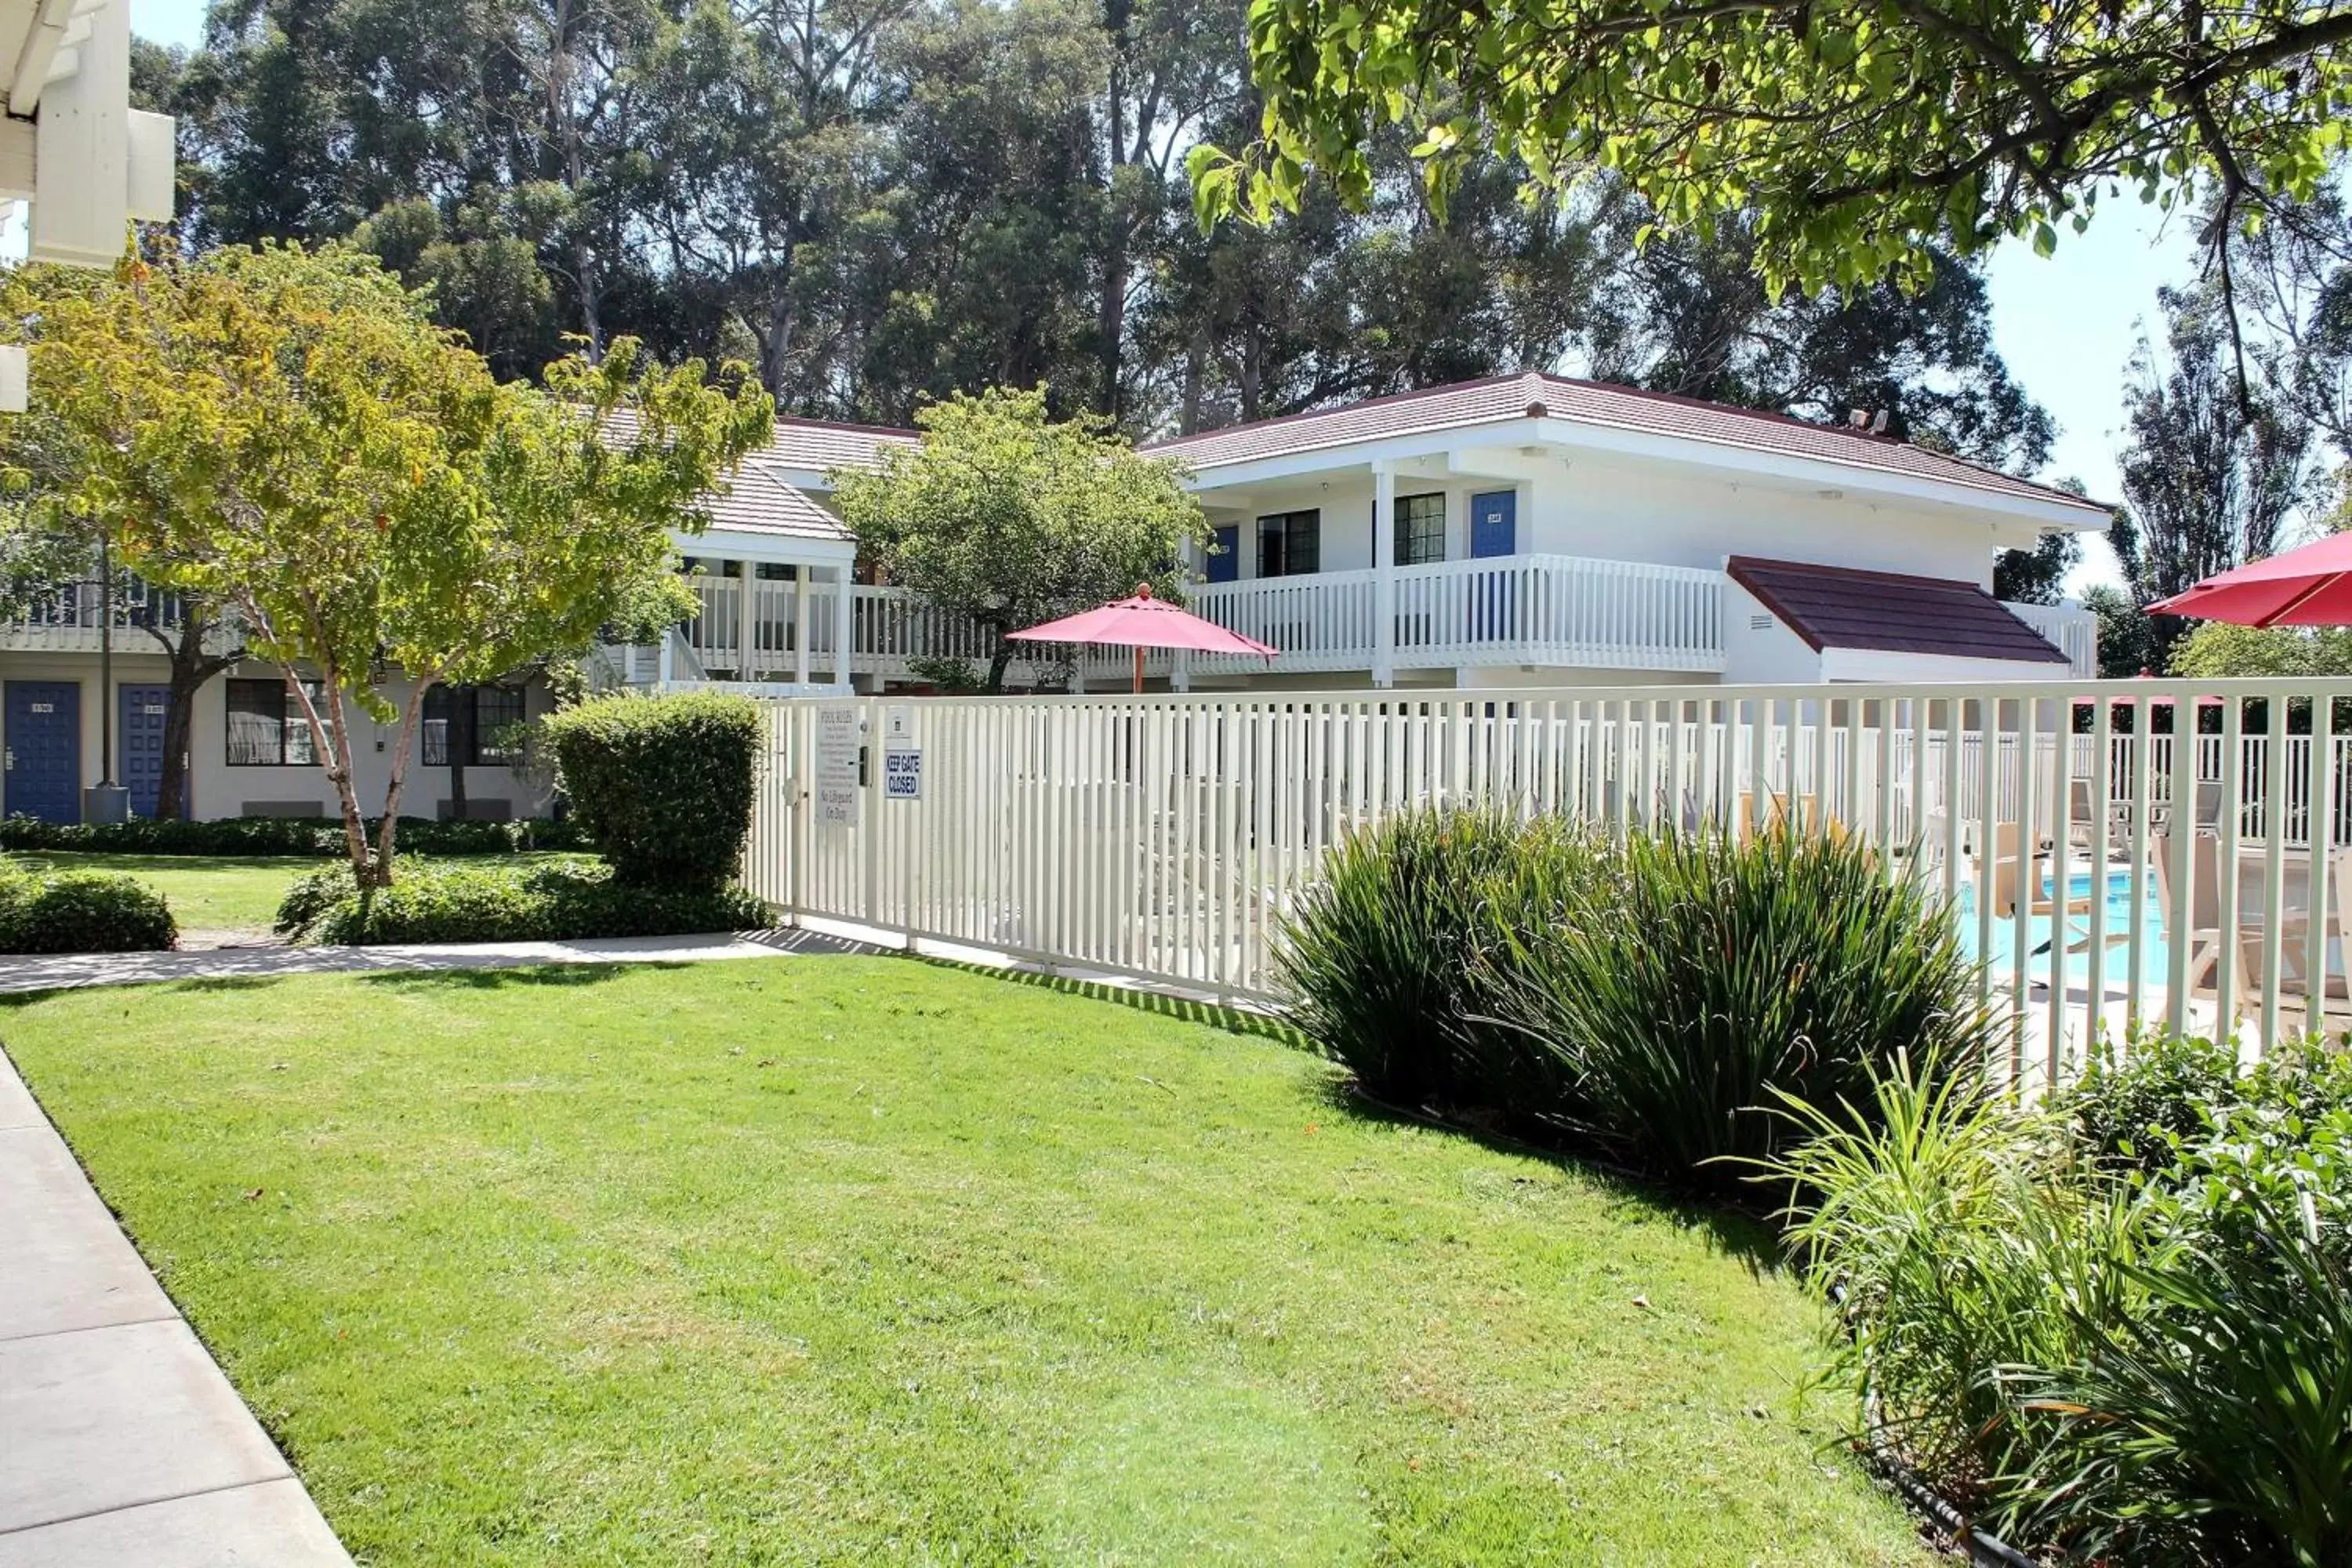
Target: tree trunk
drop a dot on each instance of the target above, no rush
(192, 667)
(388, 830)
(996, 663)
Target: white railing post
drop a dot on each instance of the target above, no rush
(845, 622)
(744, 619)
(800, 625)
(1384, 574)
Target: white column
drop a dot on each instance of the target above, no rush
(800, 625)
(844, 614)
(1384, 574)
(751, 571)
(1179, 670)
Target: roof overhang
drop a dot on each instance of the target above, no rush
(1565, 439)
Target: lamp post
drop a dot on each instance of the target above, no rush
(105, 801)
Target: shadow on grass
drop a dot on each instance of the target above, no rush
(1185, 1009)
(488, 977)
(1745, 1234)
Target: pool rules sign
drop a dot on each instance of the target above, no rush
(840, 748)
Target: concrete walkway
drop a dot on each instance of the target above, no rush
(121, 1446)
(65, 971)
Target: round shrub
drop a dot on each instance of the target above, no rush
(661, 786)
(83, 912)
(1703, 979)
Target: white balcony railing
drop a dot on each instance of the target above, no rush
(67, 619)
(1564, 611)
(1556, 612)
(2073, 628)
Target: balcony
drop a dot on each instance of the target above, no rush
(1557, 611)
(1550, 612)
(68, 619)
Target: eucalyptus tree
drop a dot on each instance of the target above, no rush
(2210, 484)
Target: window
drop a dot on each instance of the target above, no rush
(1420, 529)
(1290, 544)
(487, 732)
(265, 725)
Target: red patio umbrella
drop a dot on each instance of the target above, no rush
(2307, 587)
(1140, 623)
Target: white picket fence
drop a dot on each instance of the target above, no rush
(1167, 836)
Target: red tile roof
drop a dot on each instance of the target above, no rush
(1841, 606)
(1535, 395)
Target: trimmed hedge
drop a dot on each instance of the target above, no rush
(305, 837)
(494, 902)
(82, 911)
(662, 785)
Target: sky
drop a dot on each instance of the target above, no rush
(2067, 323)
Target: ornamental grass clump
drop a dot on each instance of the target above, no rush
(2142, 1359)
(1700, 978)
(1394, 956)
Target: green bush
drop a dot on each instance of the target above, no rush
(1392, 954)
(2146, 1360)
(503, 902)
(2138, 1099)
(307, 836)
(1701, 979)
(313, 893)
(662, 785)
(82, 911)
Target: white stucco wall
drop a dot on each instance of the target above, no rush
(1620, 509)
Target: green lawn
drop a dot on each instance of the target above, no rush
(866, 1260)
(210, 892)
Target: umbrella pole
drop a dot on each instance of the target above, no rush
(1139, 669)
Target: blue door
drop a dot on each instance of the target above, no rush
(1494, 523)
(1494, 531)
(141, 737)
(1225, 560)
(44, 749)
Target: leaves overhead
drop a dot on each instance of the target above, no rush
(1859, 132)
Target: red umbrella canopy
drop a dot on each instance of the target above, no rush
(1144, 622)
(2307, 587)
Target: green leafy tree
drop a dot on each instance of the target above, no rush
(1859, 132)
(2127, 640)
(1012, 518)
(2215, 649)
(286, 433)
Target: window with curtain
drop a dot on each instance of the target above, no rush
(1420, 529)
(265, 726)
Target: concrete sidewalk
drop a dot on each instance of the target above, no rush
(66, 971)
(121, 1446)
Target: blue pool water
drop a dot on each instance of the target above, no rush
(2002, 954)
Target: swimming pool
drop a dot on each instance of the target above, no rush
(2002, 952)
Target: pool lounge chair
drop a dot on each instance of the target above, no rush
(2007, 874)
